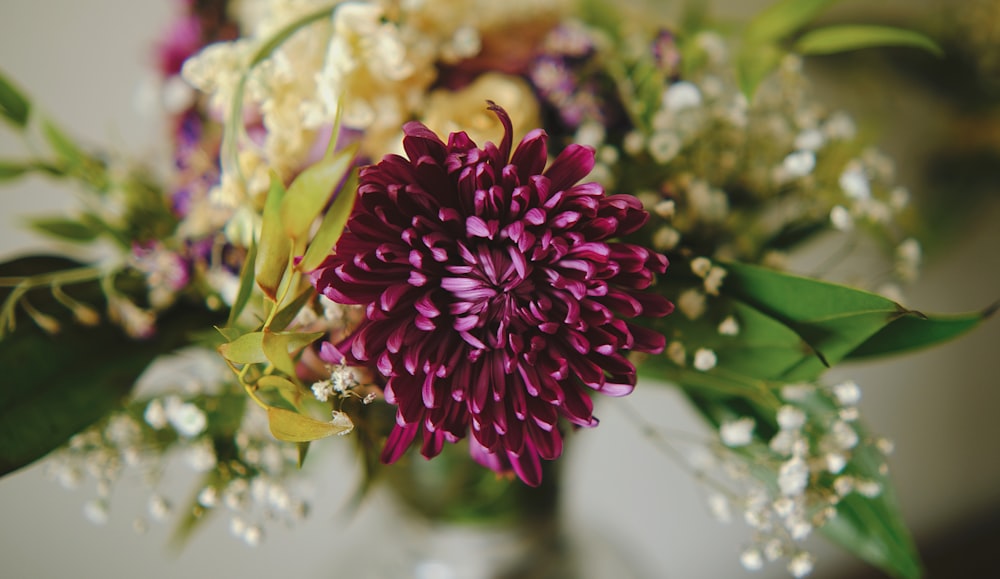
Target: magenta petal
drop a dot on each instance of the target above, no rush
(574, 163)
(398, 442)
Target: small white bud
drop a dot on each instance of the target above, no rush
(735, 433)
(729, 326)
(791, 418)
(704, 359)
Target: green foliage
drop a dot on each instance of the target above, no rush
(768, 38)
(791, 329)
(11, 170)
(833, 322)
(834, 39)
(294, 427)
(784, 18)
(915, 332)
(275, 246)
(66, 229)
(42, 403)
(14, 106)
(311, 190)
(332, 226)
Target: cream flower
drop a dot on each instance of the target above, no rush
(465, 110)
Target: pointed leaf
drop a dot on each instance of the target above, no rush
(14, 106)
(755, 63)
(294, 427)
(311, 190)
(303, 450)
(65, 229)
(10, 170)
(285, 316)
(246, 284)
(333, 225)
(833, 320)
(276, 349)
(289, 390)
(914, 332)
(230, 334)
(247, 349)
(274, 245)
(784, 17)
(834, 39)
(70, 154)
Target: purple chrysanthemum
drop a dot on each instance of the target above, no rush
(494, 293)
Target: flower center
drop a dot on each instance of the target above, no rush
(489, 289)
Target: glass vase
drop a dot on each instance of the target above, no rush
(450, 518)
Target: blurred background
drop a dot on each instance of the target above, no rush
(85, 63)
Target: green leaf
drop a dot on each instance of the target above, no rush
(251, 349)
(246, 284)
(70, 154)
(274, 246)
(286, 314)
(247, 349)
(14, 106)
(834, 39)
(65, 229)
(912, 333)
(294, 427)
(332, 226)
(10, 170)
(832, 320)
(311, 190)
(289, 390)
(783, 18)
(755, 62)
(54, 386)
(275, 347)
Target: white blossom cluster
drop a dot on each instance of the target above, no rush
(372, 62)
(737, 174)
(178, 420)
(791, 483)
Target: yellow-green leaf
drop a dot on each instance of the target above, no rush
(755, 62)
(276, 349)
(834, 39)
(10, 170)
(288, 389)
(783, 18)
(246, 284)
(294, 427)
(287, 313)
(333, 225)
(311, 190)
(65, 229)
(247, 349)
(274, 245)
(69, 152)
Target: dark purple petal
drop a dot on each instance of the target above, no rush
(494, 298)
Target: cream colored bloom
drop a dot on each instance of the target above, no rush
(465, 110)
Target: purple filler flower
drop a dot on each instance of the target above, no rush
(494, 293)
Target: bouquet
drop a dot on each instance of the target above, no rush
(443, 232)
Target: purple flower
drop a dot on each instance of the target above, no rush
(495, 295)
